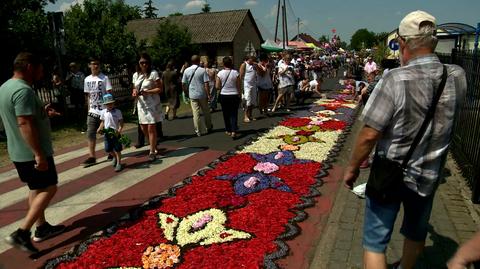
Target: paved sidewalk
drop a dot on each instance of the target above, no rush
(454, 220)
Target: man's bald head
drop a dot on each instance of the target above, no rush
(195, 59)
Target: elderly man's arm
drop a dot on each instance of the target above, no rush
(466, 254)
(365, 142)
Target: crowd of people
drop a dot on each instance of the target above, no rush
(400, 104)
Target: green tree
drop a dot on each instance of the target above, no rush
(172, 42)
(380, 38)
(98, 29)
(381, 52)
(206, 8)
(23, 27)
(361, 39)
(149, 10)
(175, 14)
(324, 39)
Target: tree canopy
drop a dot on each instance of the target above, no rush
(361, 39)
(206, 8)
(324, 39)
(98, 29)
(172, 42)
(27, 30)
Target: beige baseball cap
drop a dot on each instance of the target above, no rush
(410, 25)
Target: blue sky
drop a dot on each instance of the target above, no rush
(319, 17)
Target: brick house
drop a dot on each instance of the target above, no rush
(218, 34)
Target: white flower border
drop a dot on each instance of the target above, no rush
(210, 234)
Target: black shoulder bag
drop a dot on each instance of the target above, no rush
(386, 176)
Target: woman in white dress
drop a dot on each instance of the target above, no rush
(147, 88)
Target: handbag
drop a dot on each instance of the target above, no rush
(385, 181)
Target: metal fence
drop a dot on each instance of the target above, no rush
(466, 139)
(60, 96)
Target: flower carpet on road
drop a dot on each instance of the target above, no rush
(233, 214)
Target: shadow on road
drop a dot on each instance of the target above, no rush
(88, 226)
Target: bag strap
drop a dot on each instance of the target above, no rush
(190, 81)
(428, 118)
(225, 81)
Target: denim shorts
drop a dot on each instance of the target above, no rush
(380, 219)
(112, 144)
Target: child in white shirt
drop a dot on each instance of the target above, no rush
(112, 121)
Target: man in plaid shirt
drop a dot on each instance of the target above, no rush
(392, 116)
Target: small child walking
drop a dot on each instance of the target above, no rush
(111, 127)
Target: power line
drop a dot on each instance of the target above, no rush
(292, 13)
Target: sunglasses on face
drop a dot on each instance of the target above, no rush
(143, 62)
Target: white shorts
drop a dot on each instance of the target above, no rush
(250, 95)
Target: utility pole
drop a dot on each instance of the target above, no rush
(276, 23)
(283, 26)
(298, 29)
(286, 23)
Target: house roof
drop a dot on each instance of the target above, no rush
(457, 28)
(211, 27)
(307, 39)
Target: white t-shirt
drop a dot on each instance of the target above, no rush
(250, 79)
(112, 118)
(313, 84)
(96, 87)
(230, 87)
(286, 79)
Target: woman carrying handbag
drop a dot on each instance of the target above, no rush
(228, 81)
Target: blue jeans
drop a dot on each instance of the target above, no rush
(380, 219)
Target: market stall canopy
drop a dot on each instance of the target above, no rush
(299, 45)
(311, 45)
(271, 46)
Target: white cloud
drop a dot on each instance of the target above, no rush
(195, 4)
(251, 3)
(68, 5)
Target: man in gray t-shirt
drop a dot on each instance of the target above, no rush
(195, 85)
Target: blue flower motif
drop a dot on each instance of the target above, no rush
(283, 157)
(263, 182)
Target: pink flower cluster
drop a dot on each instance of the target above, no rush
(279, 155)
(266, 167)
(200, 223)
(251, 182)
